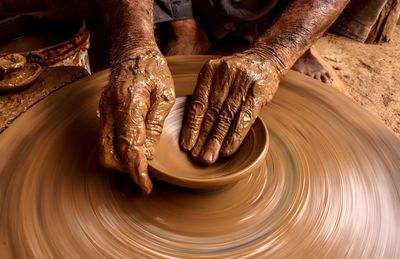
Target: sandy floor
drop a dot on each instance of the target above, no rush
(371, 74)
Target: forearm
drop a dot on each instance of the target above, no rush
(297, 29)
(130, 23)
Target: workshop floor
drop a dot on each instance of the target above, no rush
(371, 73)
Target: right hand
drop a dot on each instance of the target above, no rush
(133, 108)
(229, 95)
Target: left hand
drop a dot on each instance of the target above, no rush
(133, 108)
(229, 95)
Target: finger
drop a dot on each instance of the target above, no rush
(131, 132)
(198, 106)
(163, 98)
(136, 165)
(107, 152)
(220, 89)
(132, 152)
(256, 97)
(210, 151)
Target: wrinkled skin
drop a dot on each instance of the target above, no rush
(232, 90)
(133, 108)
(228, 98)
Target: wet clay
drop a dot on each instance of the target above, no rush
(175, 166)
(25, 76)
(51, 79)
(12, 61)
(329, 186)
(15, 73)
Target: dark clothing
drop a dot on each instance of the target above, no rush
(219, 17)
(237, 11)
(358, 19)
(244, 18)
(170, 10)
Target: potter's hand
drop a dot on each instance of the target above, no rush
(133, 108)
(230, 93)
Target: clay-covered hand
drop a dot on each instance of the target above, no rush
(229, 95)
(133, 108)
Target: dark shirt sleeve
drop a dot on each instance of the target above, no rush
(171, 10)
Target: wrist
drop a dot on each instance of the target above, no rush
(137, 56)
(128, 37)
(275, 54)
(267, 57)
(127, 50)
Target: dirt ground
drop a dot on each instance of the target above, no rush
(371, 73)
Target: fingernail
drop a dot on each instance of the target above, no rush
(186, 141)
(144, 179)
(146, 184)
(209, 155)
(196, 151)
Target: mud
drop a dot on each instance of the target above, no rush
(328, 188)
(370, 73)
(51, 79)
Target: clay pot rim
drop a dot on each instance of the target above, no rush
(196, 183)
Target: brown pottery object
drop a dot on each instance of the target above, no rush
(174, 166)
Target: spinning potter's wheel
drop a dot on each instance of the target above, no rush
(329, 187)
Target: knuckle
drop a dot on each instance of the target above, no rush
(154, 128)
(212, 63)
(258, 88)
(203, 83)
(220, 131)
(198, 105)
(212, 113)
(208, 122)
(232, 105)
(246, 115)
(226, 116)
(229, 65)
(196, 113)
(206, 128)
(208, 67)
(194, 125)
(218, 136)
